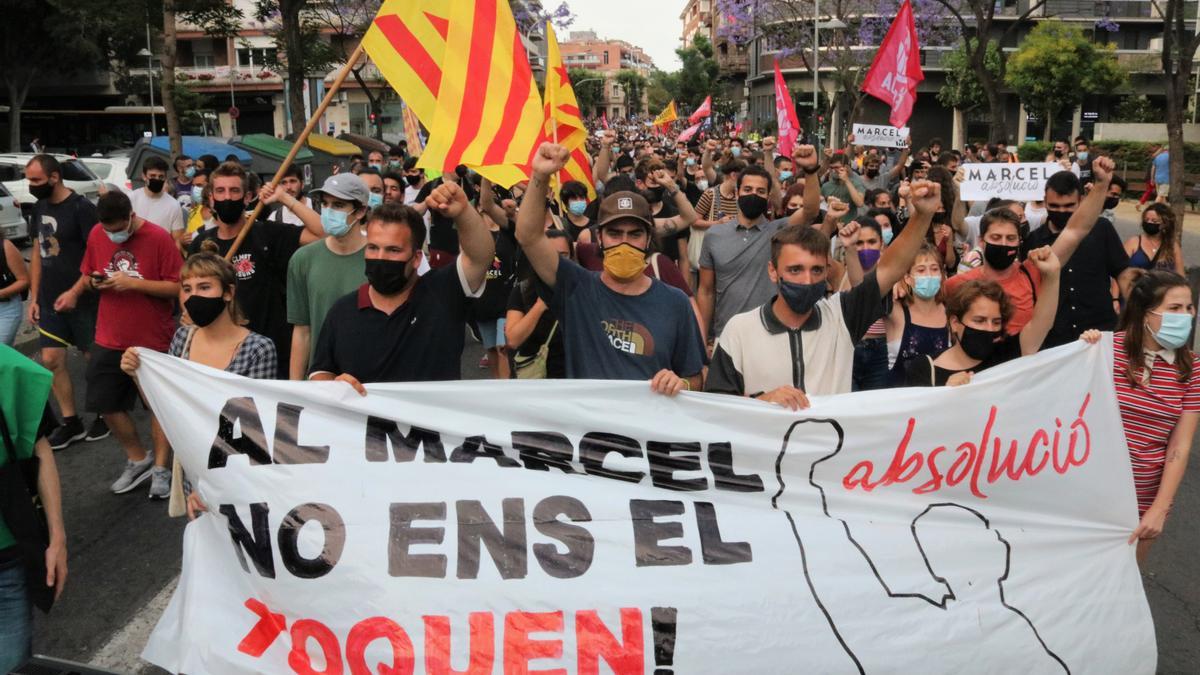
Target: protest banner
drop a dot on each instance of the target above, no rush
(1022, 181)
(587, 527)
(880, 135)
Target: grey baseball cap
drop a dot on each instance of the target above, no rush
(344, 186)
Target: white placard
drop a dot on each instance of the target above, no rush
(880, 135)
(1023, 181)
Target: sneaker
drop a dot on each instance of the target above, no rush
(98, 430)
(134, 474)
(160, 482)
(70, 431)
(484, 363)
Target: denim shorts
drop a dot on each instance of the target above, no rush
(16, 617)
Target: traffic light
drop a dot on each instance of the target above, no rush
(372, 118)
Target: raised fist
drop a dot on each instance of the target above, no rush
(447, 199)
(549, 159)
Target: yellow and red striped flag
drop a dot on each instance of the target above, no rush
(488, 108)
(563, 122)
(407, 42)
(412, 131)
(668, 115)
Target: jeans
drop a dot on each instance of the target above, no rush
(11, 313)
(16, 617)
(870, 365)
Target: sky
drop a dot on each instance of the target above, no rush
(653, 25)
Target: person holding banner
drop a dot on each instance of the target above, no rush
(1158, 393)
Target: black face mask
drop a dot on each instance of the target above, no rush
(978, 344)
(1111, 202)
(1151, 228)
(999, 256)
(752, 206)
(1059, 218)
(871, 173)
(939, 218)
(1058, 154)
(801, 298)
(787, 213)
(654, 195)
(229, 211)
(42, 191)
(414, 181)
(204, 310)
(155, 185)
(387, 277)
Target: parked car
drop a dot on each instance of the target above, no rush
(113, 170)
(12, 223)
(76, 175)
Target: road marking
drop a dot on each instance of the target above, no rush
(123, 650)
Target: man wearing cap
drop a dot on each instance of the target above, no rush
(618, 324)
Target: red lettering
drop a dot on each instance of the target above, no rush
(850, 482)
(977, 465)
(367, 631)
(520, 649)
(482, 645)
(900, 464)
(298, 658)
(935, 482)
(594, 642)
(962, 464)
(1080, 423)
(269, 626)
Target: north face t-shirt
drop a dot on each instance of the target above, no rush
(610, 336)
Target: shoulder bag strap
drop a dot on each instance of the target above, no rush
(932, 371)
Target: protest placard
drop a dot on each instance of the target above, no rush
(1023, 181)
(880, 135)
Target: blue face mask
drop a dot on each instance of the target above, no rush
(1175, 329)
(374, 200)
(736, 151)
(1082, 156)
(122, 236)
(888, 235)
(927, 287)
(334, 222)
(690, 161)
(785, 175)
(577, 207)
(801, 298)
(197, 193)
(377, 167)
(191, 172)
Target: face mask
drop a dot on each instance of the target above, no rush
(197, 193)
(190, 173)
(204, 310)
(735, 151)
(1059, 218)
(927, 287)
(702, 184)
(155, 185)
(377, 167)
(999, 256)
(1151, 228)
(801, 298)
(1175, 329)
(122, 236)
(42, 191)
(229, 211)
(690, 161)
(888, 235)
(785, 175)
(387, 277)
(413, 180)
(1058, 154)
(787, 212)
(1035, 217)
(1110, 203)
(395, 163)
(939, 218)
(334, 222)
(871, 173)
(655, 194)
(868, 257)
(577, 207)
(978, 344)
(624, 262)
(752, 206)
(374, 199)
(1082, 156)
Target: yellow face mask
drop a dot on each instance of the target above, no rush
(624, 261)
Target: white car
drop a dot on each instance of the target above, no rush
(112, 170)
(76, 175)
(12, 223)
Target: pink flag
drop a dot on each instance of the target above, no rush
(785, 115)
(604, 118)
(686, 134)
(703, 111)
(896, 69)
(737, 129)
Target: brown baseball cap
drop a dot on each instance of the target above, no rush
(625, 206)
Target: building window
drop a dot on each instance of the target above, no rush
(256, 57)
(606, 57)
(202, 60)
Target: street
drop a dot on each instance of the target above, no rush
(125, 552)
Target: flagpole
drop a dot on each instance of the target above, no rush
(299, 143)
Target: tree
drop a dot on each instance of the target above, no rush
(698, 76)
(634, 85)
(349, 21)
(589, 89)
(962, 89)
(1178, 50)
(662, 88)
(1057, 65)
(1136, 109)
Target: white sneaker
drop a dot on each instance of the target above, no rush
(133, 475)
(160, 482)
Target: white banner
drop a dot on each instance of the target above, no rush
(880, 135)
(1023, 181)
(595, 527)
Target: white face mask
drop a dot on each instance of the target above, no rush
(1035, 216)
(702, 184)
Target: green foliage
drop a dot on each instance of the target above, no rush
(662, 88)
(590, 95)
(962, 88)
(1057, 65)
(634, 85)
(1130, 156)
(1034, 151)
(698, 77)
(1137, 109)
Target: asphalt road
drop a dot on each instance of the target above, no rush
(125, 551)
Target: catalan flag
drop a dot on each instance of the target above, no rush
(668, 115)
(488, 109)
(563, 122)
(407, 42)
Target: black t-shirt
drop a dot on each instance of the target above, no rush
(261, 266)
(669, 245)
(917, 371)
(522, 298)
(62, 231)
(421, 341)
(443, 236)
(500, 278)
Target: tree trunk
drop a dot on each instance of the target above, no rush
(374, 102)
(174, 132)
(16, 101)
(1049, 128)
(290, 17)
(1177, 87)
(997, 125)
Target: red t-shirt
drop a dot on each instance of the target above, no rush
(131, 319)
(1021, 287)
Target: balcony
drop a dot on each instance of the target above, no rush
(1117, 9)
(223, 76)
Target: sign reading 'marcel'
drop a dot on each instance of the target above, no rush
(1025, 181)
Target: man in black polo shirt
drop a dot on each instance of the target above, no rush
(1086, 299)
(401, 327)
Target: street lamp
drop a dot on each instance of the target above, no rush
(150, 75)
(833, 23)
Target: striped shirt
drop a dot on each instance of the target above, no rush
(723, 209)
(1149, 413)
